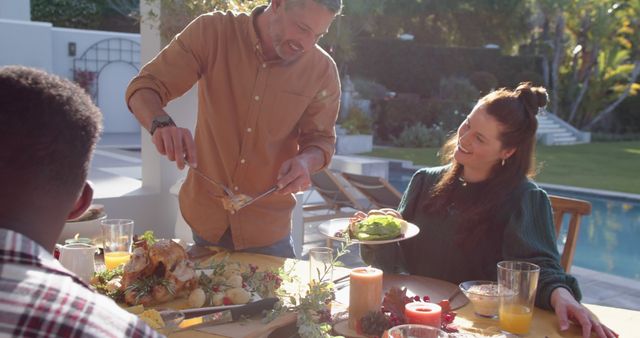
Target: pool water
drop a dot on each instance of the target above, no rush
(609, 238)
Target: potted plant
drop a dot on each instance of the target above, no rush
(354, 133)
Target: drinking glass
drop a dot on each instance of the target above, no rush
(320, 260)
(517, 284)
(117, 236)
(416, 331)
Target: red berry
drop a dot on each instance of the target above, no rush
(416, 298)
(448, 318)
(227, 301)
(215, 289)
(426, 298)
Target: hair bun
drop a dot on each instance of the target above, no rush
(532, 97)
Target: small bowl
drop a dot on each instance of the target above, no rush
(484, 296)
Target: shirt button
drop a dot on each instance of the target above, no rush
(242, 161)
(249, 130)
(264, 65)
(256, 97)
(235, 188)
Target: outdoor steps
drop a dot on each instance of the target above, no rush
(554, 131)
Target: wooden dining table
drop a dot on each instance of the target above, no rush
(624, 322)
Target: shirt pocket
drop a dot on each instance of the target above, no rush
(282, 117)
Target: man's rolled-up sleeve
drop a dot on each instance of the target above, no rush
(180, 64)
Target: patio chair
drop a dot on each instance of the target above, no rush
(576, 209)
(377, 190)
(335, 196)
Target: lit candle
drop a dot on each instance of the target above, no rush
(77, 239)
(423, 313)
(365, 293)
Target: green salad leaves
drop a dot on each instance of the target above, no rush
(377, 227)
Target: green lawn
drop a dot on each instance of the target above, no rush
(608, 166)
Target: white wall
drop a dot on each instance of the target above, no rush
(113, 79)
(26, 43)
(40, 45)
(113, 82)
(62, 62)
(15, 9)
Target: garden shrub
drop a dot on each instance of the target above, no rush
(409, 66)
(457, 89)
(67, 13)
(448, 110)
(357, 122)
(419, 136)
(391, 116)
(369, 90)
(627, 116)
(529, 76)
(484, 81)
(396, 115)
(609, 137)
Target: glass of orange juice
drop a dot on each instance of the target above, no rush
(117, 235)
(517, 285)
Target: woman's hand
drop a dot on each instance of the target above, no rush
(568, 309)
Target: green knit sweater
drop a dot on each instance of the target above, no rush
(528, 236)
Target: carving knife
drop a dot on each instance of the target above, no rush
(230, 315)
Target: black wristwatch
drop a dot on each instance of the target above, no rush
(161, 121)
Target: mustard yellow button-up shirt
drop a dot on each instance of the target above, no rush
(252, 116)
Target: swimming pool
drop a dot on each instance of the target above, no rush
(609, 239)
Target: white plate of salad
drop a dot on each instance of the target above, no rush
(373, 229)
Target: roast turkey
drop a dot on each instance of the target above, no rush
(158, 273)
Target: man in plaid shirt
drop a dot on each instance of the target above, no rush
(48, 130)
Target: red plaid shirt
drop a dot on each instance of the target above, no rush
(40, 298)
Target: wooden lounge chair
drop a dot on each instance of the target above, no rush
(377, 190)
(335, 196)
(576, 209)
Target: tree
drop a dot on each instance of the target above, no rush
(176, 14)
(626, 60)
(472, 23)
(594, 56)
(358, 18)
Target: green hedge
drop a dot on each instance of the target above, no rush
(627, 116)
(393, 116)
(407, 66)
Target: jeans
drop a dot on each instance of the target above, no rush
(281, 248)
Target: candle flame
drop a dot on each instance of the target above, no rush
(76, 236)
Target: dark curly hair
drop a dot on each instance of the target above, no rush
(48, 129)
